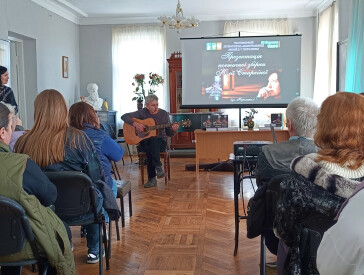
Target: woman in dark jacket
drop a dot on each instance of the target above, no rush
(322, 181)
(6, 93)
(55, 146)
(82, 116)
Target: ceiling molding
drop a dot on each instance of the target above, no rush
(72, 7)
(251, 15)
(324, 5)
(70, 12)
(59, 10)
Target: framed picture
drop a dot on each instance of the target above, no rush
(64, 66)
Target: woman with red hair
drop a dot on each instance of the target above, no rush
(322, 181)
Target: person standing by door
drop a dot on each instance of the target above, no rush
(7, 94)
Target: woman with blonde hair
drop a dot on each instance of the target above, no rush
(323, 180)
(55, 146)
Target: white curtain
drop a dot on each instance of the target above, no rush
(136, 50)
(254, 28)
(327, 38)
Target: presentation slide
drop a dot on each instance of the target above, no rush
(230, 72)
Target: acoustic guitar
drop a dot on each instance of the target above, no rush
(133, 136)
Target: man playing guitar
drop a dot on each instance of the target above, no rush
(153, 145)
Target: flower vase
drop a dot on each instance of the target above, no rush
(250, 124)
(140, 104)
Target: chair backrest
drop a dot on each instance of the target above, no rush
(107, 127)
(75, 193)
(14, 228)
(272, 196)
(262, 207)
(312, 233)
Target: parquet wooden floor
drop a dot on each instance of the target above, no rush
(185, 227)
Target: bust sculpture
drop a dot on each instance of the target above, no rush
(93, 99)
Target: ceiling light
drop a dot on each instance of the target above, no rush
(178, 21)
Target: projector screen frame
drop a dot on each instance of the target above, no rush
(240, 105)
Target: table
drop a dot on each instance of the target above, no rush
(218, 145)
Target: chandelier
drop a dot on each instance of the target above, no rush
(178, 21)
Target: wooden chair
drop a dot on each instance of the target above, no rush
(124, 188)
(167, 168)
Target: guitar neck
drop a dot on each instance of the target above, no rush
(160, 126)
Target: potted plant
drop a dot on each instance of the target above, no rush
(249, 118)
(139, 82)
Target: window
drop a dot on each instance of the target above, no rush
(136, 49)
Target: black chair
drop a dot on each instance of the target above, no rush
(76, 198)
(312, 232)
(271, 200)
(15, 230)
(107, 127)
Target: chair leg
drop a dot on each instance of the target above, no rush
(169, 167)
(117, 230)
(106, 245)
(115, 168)
(101, 270)
(122, 212)
(131, 159)
(141, 163)
(262, 254)
(123, 161)
(109, 247)
(165, 167)
(130, 205)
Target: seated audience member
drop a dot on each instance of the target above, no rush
(17, 132)
(341, 250)
(275, 159)
(24, 182)
(82, 116)
(55, 146)
(322, 181)
(301, 116)
(154, 145)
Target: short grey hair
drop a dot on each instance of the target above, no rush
(150, 98)
(302, 112)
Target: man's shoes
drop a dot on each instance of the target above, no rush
(151, 183)
(160, 173)
(93, 258)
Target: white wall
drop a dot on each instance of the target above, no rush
(54, 37)
(96, 59)
(3, 21)
(345, 7)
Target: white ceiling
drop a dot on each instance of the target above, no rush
(86, 12)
